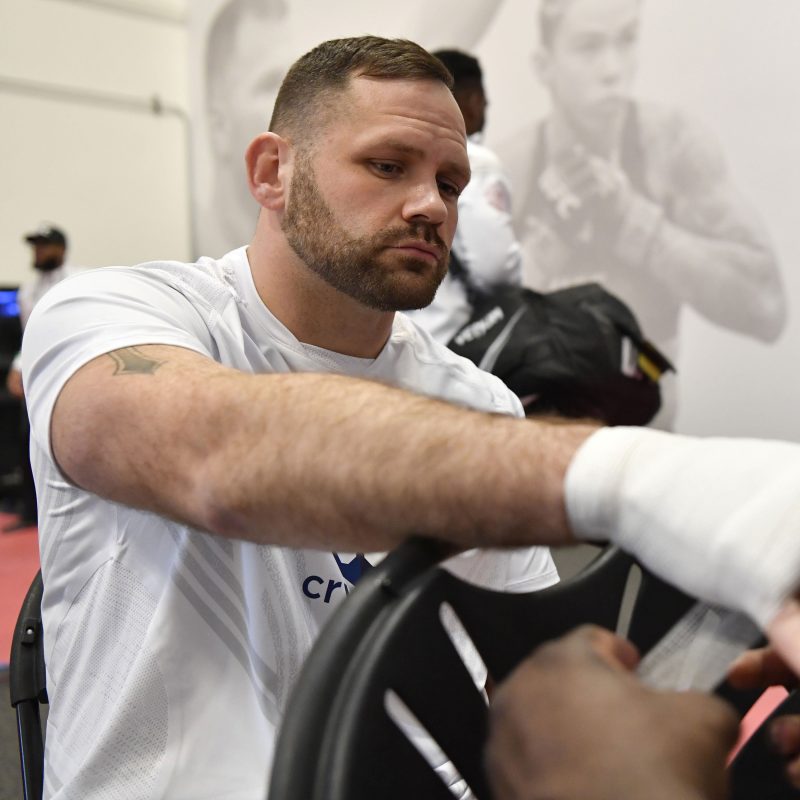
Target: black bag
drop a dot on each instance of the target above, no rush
(578, 352)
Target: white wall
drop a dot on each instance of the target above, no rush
(80, 145)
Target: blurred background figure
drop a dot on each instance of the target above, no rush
(632, 195)
(485, 250)
(49, 249)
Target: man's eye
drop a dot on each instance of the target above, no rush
(449, 189)
(385, 168)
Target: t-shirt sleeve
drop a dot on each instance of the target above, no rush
(93, 313)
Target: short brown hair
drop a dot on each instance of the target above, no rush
(328, 68)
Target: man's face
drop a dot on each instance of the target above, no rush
(473, 103)
(47, 256)
(372, 208)
(590, 64)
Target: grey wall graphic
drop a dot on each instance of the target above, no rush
(650, 143)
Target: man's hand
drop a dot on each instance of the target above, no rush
(573, 723)
(761, 668)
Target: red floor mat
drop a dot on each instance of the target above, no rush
(19, 560)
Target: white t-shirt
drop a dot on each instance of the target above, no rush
(32, 291)
(170, 652)
(485, 244)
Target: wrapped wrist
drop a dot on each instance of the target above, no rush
(718, 518)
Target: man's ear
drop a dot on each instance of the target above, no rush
(268, 169)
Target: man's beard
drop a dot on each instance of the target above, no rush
(352, 265)
(48, 264)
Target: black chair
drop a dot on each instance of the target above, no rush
(338, 742)
(27, 684)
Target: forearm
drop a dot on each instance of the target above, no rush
(382, 463)
(313, 460)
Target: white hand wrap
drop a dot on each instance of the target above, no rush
(719, 518)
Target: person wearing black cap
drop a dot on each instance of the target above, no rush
(49, 245)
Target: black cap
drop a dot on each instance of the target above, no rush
(47, 234)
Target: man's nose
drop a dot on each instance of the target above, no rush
(425, 202)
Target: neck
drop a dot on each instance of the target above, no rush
(310, 308)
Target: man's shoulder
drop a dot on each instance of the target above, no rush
(205, 285)
(205, 268)
(206, 277)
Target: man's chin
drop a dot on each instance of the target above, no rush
(414, 306)
(407, 286)
(416, 294)
(404, 298)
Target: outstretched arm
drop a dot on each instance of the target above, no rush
(311, 460)
(324, 461)
(306, 460)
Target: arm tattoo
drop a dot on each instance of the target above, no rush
(131, 361)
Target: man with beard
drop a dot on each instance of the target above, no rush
(251, 414)
(49, 246)
(633, 195)
(249, 46)
(358, 180)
